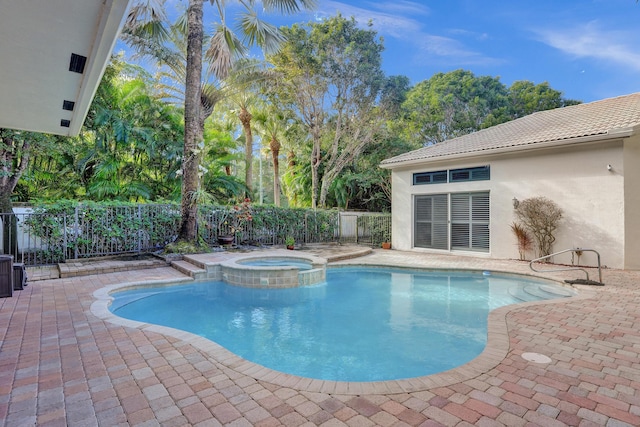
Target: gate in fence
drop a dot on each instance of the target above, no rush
(365, 228)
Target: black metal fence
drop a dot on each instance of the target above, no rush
(42, 238)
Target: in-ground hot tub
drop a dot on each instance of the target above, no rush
(274, 271)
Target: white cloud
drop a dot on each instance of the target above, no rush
(402, 6)
(449, 51)
(473, 34)
(404, 21)
(590, 41)
(385, 23)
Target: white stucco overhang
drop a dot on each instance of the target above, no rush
(614, 134)
(37, 40)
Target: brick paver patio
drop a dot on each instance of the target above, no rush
(61, 365)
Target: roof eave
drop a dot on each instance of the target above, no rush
(611, 134)
(107, 33)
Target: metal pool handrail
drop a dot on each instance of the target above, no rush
(568, 268)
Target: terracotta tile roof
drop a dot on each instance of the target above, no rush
(595, 118)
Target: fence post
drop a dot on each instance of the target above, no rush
(275, 229)
(140, 229)
(307, 227)
(75, 231)
(357, 229)
(64, 235)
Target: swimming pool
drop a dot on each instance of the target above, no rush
(363, 324)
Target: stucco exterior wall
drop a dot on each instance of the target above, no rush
(632, 202)
(575, 177)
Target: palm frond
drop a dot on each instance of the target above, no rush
(223, 48)
(261, 33)
(145, 11)
(210, 96)
(288, 6)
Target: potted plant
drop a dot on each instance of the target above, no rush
(290, 242)
(233, 221)
(381, 232)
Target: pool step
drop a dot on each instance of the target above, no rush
(538, 292)
(85, 267)
(521, 294)
(189, 269)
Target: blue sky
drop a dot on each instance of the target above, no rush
(588, 49)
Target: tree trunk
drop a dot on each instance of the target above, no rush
(315, 164)
(245, 119)
(274, 145)
(9, 226)
(324, 189)
(192, 129)
(14, 157)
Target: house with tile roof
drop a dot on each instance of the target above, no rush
(459, 195)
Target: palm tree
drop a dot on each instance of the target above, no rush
(223, 48)
(242, 94)
(129, 133)
(220, 157)
(273, 126)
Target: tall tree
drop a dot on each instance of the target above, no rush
(331, 78)
(16, 148)
(452, 104)
(273, 126)
(242, 86)
(525, 98)
(223, 48)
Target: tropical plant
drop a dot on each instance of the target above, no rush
(218, 162)
(275, 129)
(223, 47)
(244, 97)
(128, 145)
(235, 220)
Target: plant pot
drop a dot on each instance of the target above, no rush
(290, 247)
(386, 245)
(225, 240)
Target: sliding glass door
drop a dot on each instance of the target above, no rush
(455, 221)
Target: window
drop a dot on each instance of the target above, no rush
(429, 177)
(482, 173)
(470, 221)
(431, 221)
(456, 221)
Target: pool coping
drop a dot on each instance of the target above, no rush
(235, 272)
(495, 351)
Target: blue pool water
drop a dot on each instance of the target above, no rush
(364, 324)
(301, 265)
